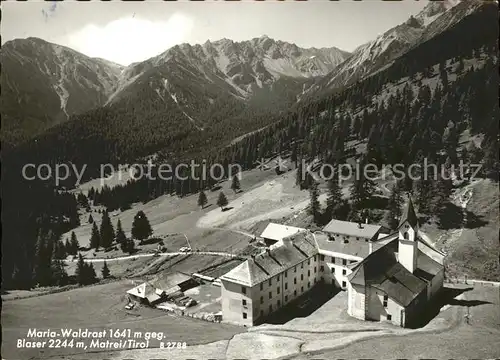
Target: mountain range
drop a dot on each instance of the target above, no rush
(44, 84)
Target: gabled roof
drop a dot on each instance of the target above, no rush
(352, 228)
(409, 214)
(278, 232)
(142, 291)
(166, 281)
(268, 264)
(382, 271)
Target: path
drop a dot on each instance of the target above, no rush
(121, 258)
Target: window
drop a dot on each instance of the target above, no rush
(279, 303)
(286, 273)
(244, 315)
(344, 272)
(262, 299)
(278, 290)
(243, 290)
(278, 278)
(315, 269)
(333, 259)
(295, 293)
(366, 240)
(244, 302)
(286, 286)
(344, 262)
(270, 295)
(308, 261)
(357, 238)
(261, 286)
(333, 270)
(386, 298)
(389, 317)
(286, 298)
(322, 257)
(269, 282)
(301, 289)
(343, 284)
(301, 276)
(385, 303)
(295, 281)
(314, 281)
(406, 237)
(308, 272)
(302, 265)
(308, 284)
(321, 268)
(295, 269)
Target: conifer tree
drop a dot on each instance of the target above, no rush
(202, 199)
(298, 179)
(314, 206)
(91, 219)
(235, 185)
(58, 273)
(141, 229)
(394, 205)
(74, 245)
(80, 272)
(67, 246)
(95, 237)
(107, 232)
(334, 203)
(222, 201)
(105, 271)
(120, 237)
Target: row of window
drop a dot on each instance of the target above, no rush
(333, 260)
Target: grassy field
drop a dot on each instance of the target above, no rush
(97, 308)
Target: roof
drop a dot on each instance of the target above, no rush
(278, 232)
(382, 271)
(166, 281)
(142, 290)
(352, 229)
(409, 214)
(359, 248)
(270, 263)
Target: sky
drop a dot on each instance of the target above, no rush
(126, 32)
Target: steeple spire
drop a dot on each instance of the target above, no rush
(409, 214)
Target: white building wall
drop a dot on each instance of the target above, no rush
(335, 270)
(378, 312)
(356, 301)
(233, 307)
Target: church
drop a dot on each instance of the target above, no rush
(387, 277)
(398, 279)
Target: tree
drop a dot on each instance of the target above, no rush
(80, 270)
(107, 232)
(58, 273)
(222, 201)
(334, 202)
(141, 229)
(128, 245)
(105, 271)
(202, 199)
(74, 245)
(314, 207)
(235, 185)
(298, 180)
(120, 234)
(91, 219)
(394, 205)
(95, 237)
(90, 274)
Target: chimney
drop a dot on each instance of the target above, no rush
(366, 221)
(370, 247)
